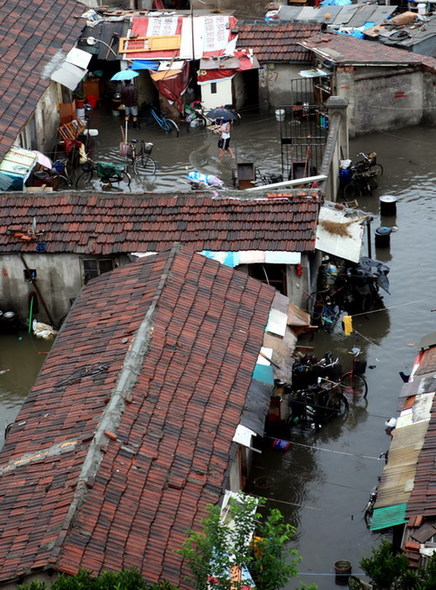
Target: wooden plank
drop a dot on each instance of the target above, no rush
(167, 43)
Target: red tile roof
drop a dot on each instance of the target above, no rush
(276, 43)
(108, 225)
(423, 497)
(126, 435)
(32, 32)
(345, 49)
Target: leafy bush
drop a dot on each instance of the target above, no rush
(124, 580)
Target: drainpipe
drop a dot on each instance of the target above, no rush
(33, 281)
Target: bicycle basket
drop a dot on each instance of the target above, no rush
(360, 367)
(148, 147)
(107, 170)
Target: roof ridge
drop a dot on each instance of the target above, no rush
(112, 414)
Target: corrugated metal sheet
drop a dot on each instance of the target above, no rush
(398, 475)
(383, 518)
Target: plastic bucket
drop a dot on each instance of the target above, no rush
(388, 205)
(383, 237)
(92, 101)
(342, 572)
(280, 114)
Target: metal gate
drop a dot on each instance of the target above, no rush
(303, 130)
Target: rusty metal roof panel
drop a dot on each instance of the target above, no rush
(398, 475)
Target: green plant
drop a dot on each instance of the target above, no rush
(124, 580)
(384, 567)
(224, 545)
(79, 94)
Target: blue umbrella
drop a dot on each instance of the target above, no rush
(125, 75)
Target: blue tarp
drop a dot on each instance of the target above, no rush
(145, 64)
(335, 2)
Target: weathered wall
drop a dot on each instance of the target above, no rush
(381, 98)
(429, 98)
(41, 130)
(276, 82)
(239, 94)
(59, 279)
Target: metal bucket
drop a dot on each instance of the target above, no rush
(383, 237)
(342, 572)
(388, 205)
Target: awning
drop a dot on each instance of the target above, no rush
(333, 242)
(384, 518)
(145, 64)
(15, 168)
(73, 69)
(313, 73)
(253, 257)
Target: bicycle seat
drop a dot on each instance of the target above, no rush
(133, 141)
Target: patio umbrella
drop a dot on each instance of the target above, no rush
(221, 113)
(125, 75)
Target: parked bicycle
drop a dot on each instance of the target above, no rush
(108, 173)
(58, 177)
(167, 125)
(368, 163)
(264, 178)
(141, 159)
(195, 117)
(353, 381)
(360, 177)
(317, 405)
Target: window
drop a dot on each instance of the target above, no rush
(94, 267)
(272, 274)
(213, 88)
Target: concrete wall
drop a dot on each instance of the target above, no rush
(222, 96)
(59, 279)
(41, 130)
(381, 98)
(239, 91)
(275, 82)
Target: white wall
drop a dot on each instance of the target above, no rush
(222, 96)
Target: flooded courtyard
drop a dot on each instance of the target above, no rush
(322, 483)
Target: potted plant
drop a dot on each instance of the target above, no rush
(79, 97)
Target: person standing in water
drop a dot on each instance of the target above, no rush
(224, 140)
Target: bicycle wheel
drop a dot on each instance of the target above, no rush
(144, 165)
(337, 405)
(376, 169)
(61, 183)
(171, 125)
(126, 178)
(352, 191)
(197, 124)
(354, 384)
(84, 180)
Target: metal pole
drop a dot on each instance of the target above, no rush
(368, 234)
(33, 281)
(295, 182)
(192, 31)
